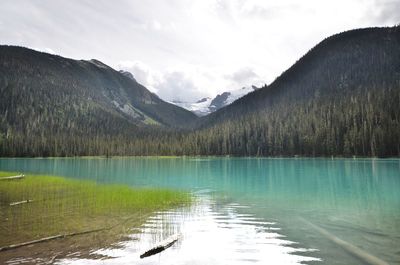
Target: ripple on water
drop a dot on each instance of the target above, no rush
(210, 234)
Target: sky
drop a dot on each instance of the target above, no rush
(185, 50)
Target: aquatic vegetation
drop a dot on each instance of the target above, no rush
(57, 205)
(7, 174)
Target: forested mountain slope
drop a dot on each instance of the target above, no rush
(341, 98)
(46, 98)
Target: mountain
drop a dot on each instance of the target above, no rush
(227, 98)
(207, 105)
(43, 94)
(341, 98)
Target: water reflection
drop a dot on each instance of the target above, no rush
(212, 233)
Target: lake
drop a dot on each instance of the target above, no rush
(253, 210)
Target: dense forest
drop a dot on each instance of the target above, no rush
(57, 90)
(340, 99)
(47, 101)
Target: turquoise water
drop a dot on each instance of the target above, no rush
(256, 210)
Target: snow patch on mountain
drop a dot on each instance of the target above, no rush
(205, 106)
(200, 108)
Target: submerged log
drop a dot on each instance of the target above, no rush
(161, 246)
(68, 235)
(30, 242)
(353, 250)
(13, 177)
(20, 202)
(45, 239)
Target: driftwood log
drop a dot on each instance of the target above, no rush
(45, 239)
(161, 246)
(20, 202)
(353, 250)
(13, 177)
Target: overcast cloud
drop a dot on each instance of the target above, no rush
(185, 50)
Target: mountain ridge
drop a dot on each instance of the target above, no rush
(259, 95)
(51, 105)
(97, 80)
(342, 98)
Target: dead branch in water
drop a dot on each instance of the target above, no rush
(160, 247)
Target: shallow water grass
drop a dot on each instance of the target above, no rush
(62, 206)
(7, 174)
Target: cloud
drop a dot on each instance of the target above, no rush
(243, 75)
(386, 12)
(156, 25)
(186, 49)
(172, 85)
(179, 87)
(142, 73)
(257, 11)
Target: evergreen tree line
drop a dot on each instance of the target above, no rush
(364, 124)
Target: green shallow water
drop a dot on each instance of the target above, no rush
(356, 200)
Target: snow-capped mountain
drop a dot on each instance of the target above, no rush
(205, 106)
(200, 107)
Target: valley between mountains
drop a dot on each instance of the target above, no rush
(342, 98)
